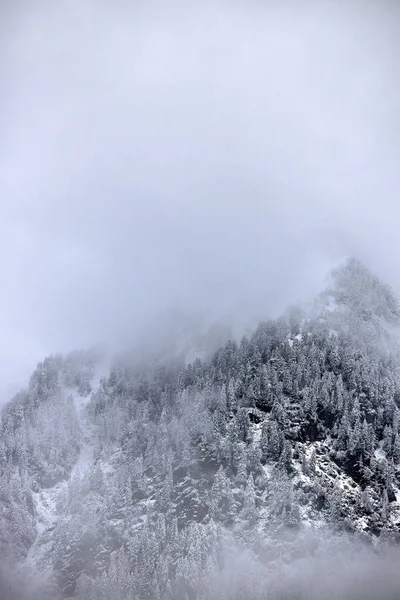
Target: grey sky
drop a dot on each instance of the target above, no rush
(217, 156)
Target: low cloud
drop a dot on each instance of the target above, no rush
(215, 156)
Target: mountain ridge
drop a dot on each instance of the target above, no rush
(295, 428)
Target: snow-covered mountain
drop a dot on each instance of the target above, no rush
(162, 479)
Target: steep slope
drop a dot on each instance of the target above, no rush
(138, 481)
(47, 501)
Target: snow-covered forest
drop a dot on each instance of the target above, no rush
(163, 479)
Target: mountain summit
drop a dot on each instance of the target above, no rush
(354, 288)
(137, 480)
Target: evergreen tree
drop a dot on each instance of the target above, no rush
(249, 512)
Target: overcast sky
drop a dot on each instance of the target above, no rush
(218, 156)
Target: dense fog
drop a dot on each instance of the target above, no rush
(213, 157)
(324, 568)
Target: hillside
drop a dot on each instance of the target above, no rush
(147, 479)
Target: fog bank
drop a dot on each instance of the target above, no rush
(215, 157)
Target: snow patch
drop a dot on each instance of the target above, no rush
(380, 454)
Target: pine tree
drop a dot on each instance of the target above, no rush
(249, 512)
(335, 504)
(241, 476)
(384, 505)
(164, 497)
(285, 459)
(312, 462)
(304, 464)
